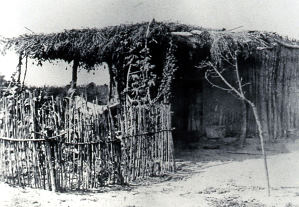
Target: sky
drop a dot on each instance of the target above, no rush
(46, 16)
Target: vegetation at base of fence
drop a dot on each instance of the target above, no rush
(69, 143)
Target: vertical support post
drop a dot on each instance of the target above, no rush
(75, 73)
(171, 145)
(244, 124)
(25, 72)
(19, 69)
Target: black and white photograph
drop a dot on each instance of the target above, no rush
(149, 103)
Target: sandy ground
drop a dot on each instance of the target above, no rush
(224, 177)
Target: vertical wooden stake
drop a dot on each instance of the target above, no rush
(75, 74)
(49, 160)
(244, 124)
(19, 69)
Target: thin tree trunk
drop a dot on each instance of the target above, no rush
(240, 93)
(259, 126)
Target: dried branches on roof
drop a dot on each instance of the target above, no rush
(123, 46)
(90, 46)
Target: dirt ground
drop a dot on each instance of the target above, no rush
(228, 176)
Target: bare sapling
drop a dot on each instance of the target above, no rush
(215, 71)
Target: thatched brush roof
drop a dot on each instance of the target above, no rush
(94, 46)
(144, 57)
(89, 46)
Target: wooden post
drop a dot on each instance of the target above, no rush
(244, 124)
(75, 73)
(19, 69)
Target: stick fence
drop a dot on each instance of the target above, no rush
(63, 144)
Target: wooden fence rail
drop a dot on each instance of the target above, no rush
(65, 144)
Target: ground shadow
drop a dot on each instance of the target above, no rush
(196, 155)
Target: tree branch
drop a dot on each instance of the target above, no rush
(224, 80)
(215, 85)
